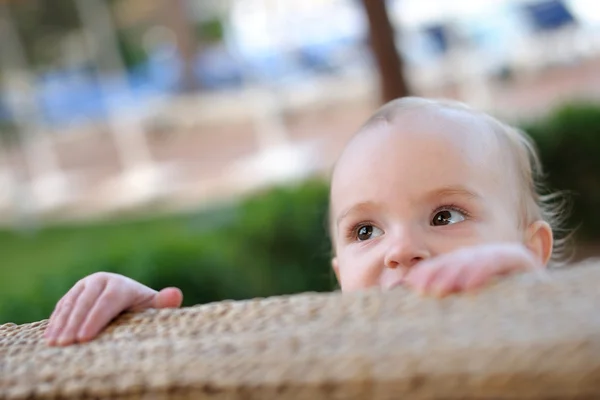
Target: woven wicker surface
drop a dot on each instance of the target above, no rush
(527, 336)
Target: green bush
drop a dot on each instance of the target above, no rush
(273, 243)
(569, 144)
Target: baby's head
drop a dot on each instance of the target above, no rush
(423, 178)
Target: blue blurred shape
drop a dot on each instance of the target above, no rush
(320, 56)
(5, 114)
(67, 95)
(438, 35)
(217, 69)
(548, 15)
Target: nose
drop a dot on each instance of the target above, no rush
(405, 251)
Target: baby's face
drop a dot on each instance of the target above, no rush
(428, 184)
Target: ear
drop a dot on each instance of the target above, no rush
(336, 268)
(539, 240)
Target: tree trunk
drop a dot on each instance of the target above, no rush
(389, 63)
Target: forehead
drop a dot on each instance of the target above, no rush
(420, 151)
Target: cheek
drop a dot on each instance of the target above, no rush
(473, 234)
(502, 226)
(358, 270)
(503, 223)
(446, 240)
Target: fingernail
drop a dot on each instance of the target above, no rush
(82, 336)
(437, 291)
(62, 340)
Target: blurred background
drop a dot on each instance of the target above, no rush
(188, 142)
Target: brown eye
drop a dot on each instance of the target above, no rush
(442, 218)
(364, 232)
(447, 217)
(367, 232)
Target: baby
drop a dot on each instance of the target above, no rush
(430, 195)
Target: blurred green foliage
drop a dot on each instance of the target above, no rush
(211, 30)
(41, 24)
(273, 243)
(129, 43)
(8, 133)
(568, 141)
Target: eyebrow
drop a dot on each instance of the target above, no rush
(455, 190)
(446, 191)
(363, 206)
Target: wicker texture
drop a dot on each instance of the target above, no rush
(529, 336)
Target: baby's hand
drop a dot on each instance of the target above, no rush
(95, 300)
(469, 268)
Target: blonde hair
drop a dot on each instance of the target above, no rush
(536, 202)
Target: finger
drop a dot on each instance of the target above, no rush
(500, 265)
(52, 320)
(478, 278)
(420, 277)
(487, 271)
(64, 311)
(48, 331)
(85, 302)
(447, 280)
(109, 304)
(168, 298)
